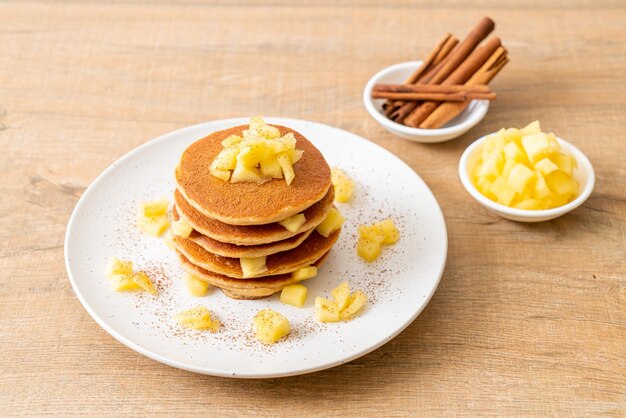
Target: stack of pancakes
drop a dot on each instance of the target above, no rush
(240, 220)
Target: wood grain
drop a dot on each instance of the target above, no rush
(529, 320)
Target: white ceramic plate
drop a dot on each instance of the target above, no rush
(399, 284)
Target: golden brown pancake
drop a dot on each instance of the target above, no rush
(307, 253)
(250, 203)
(251, 234)
(239, 251)
(243, 289)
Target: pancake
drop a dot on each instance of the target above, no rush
(243, 289)
(250, 203)
(311, 250)
(251, 234)
(239, 251)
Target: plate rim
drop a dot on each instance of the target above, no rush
(203, 370)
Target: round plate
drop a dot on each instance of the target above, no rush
(399, 284)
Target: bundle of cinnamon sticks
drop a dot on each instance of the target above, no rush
(453, 74)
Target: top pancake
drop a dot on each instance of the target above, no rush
(250, 203)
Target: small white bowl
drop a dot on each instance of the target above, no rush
(584, 174)
(397, 74)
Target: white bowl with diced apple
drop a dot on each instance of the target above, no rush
(398, 73)
(582, 172)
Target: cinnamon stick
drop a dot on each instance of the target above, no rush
(445, 112)
(431, 88)
(449, 64)
(441, 50)
(459, 76)
(460, 96)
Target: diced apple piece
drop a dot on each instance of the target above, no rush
(288, 140)
(153, 226)
(341, 294)
(537, 146)
(367, 249)
(169, 241)
(541, 188)
(117, 266)
(554, 201)
(354, 304)
(519, 177)
(198, 318)
(220, 174)
(293, 223)
(389, 231)
(344, 186)
(326, 310)
(271, 169)
(304, 273)
(286, 167)
(294, 155)
(196, 287)
(242, 173)
(513, 152)
(491, 167)
(154, 208)
(267, 131)
(513, 135)
(270, 326)
(252, 154)
(546, 166)
(566, 163)
(226, 159)
(561, 184)
(508, 166)
(372, 234)
(503, 191)
(532, 128)
(333, 222)
(123, 282)
(251, 267)
(142, 280)
(232, 141)
(529, 204)
(181, 228)
(294, 294)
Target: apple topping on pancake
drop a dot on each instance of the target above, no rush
(261, 154)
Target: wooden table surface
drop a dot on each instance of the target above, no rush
(528, 319)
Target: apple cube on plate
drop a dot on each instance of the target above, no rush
(117, 266)
(341, 294)
(344, 186)
(270, 326)
(326, 310)
(142, 280)
(123, 282)
(354, 304)
(198, 318)
(154, 226)
(196, 287)
(294, 294)
(154, 208)
(367, 249)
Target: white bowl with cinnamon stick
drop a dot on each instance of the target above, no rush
(445, 95)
